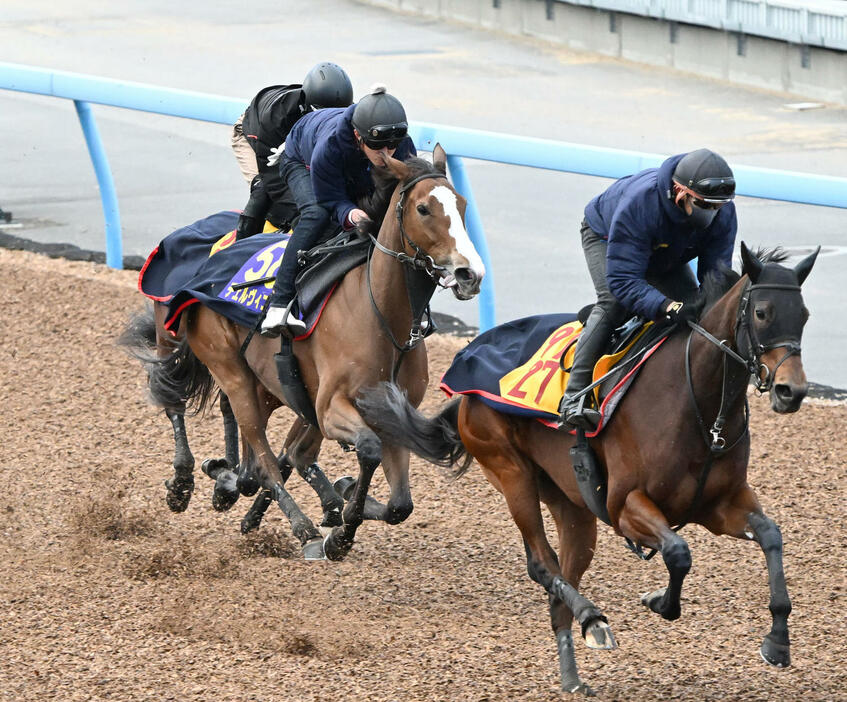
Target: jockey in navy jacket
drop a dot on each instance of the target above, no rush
(649, 234)
(340, 172)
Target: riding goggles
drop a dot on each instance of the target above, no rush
(385, 135)
(714, 190)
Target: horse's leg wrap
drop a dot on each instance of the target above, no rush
(331, 501)
(776, 646)
(666, 600)
(254, 515)
(248, 482)
(301, 525)
(181, 485)
(369, 453)
(595, 627)
(230, 433)
(568, 673)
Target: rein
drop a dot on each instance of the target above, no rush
(422, 274)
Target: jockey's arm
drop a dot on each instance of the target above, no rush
(328, 184)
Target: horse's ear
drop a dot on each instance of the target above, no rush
(439, 159)
(750, 265)
(398, 169)
(802, 269)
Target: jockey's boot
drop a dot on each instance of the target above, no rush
(577, 409)
(282, 317)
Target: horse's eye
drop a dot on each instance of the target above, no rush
(760, 313)
(423, 209)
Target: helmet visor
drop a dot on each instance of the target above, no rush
(385, 135)
(714, 189)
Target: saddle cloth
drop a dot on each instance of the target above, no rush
(521, 367)
(203, 263)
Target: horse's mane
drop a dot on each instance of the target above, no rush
(376, 204)
(719, 281)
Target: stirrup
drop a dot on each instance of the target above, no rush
(579, 415)
(280, 319)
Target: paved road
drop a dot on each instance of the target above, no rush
(170, 171)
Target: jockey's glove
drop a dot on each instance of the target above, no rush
(680, 312)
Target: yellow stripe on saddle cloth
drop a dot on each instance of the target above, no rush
(540, 383)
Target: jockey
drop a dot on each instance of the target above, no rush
(327, 166)
(258, 139)
(638, 237)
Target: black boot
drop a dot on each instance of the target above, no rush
(579, 410)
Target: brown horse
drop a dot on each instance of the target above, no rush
(666, 462)
(369, 331)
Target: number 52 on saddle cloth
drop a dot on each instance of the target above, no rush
(521, 367)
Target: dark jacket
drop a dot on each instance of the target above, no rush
(341, 173)
(267, 121)
(649, 234)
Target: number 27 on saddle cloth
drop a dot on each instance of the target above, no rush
(517, 368)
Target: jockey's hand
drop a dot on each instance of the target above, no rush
(680, 312)
(357, 215)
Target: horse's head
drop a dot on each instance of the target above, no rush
(771, 317)
(430, 215)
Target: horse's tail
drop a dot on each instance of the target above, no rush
(387, 411)
(177, 380)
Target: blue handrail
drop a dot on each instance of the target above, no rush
(458, 142)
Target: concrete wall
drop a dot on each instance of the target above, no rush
(815, 73)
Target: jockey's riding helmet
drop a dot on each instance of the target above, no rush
(706, 175)
(327, 85)
(380, 119)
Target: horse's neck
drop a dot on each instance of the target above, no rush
(708, 361)
(387, 279)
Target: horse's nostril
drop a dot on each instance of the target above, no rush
(783, 392)
(464, 275)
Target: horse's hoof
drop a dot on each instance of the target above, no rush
(581, 689)
(775, 654)
(179, 494)
(249, 524)
(313, 550)
(344, 486)
(213, 466)
(599, 636)
(226, 493)
(655, 601)
(333, 550)
(247, 483)
(332, 518)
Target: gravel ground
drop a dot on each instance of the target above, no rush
(107, 595)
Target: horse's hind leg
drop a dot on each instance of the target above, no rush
(181, 485)
(742, 517)
(643, 522)
(395, 464)
(222, 470)
(577, 531)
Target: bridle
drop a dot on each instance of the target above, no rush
(422, 276)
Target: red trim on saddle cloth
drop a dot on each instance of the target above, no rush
(611, 394)
(308, 332)
(176, 315)
(141, 277)
(447, 390)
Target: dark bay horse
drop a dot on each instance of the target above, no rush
(368, 332)
(675, 452)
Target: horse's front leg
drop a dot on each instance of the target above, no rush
(742, 517)
(643, 522)
(181, 485)
(395, 464)
(343, 423)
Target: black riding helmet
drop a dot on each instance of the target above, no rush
(707, 175)
(380, 119)
(327, 85)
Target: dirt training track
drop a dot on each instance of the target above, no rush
(107, 595)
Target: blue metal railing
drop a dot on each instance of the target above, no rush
(458, 143)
